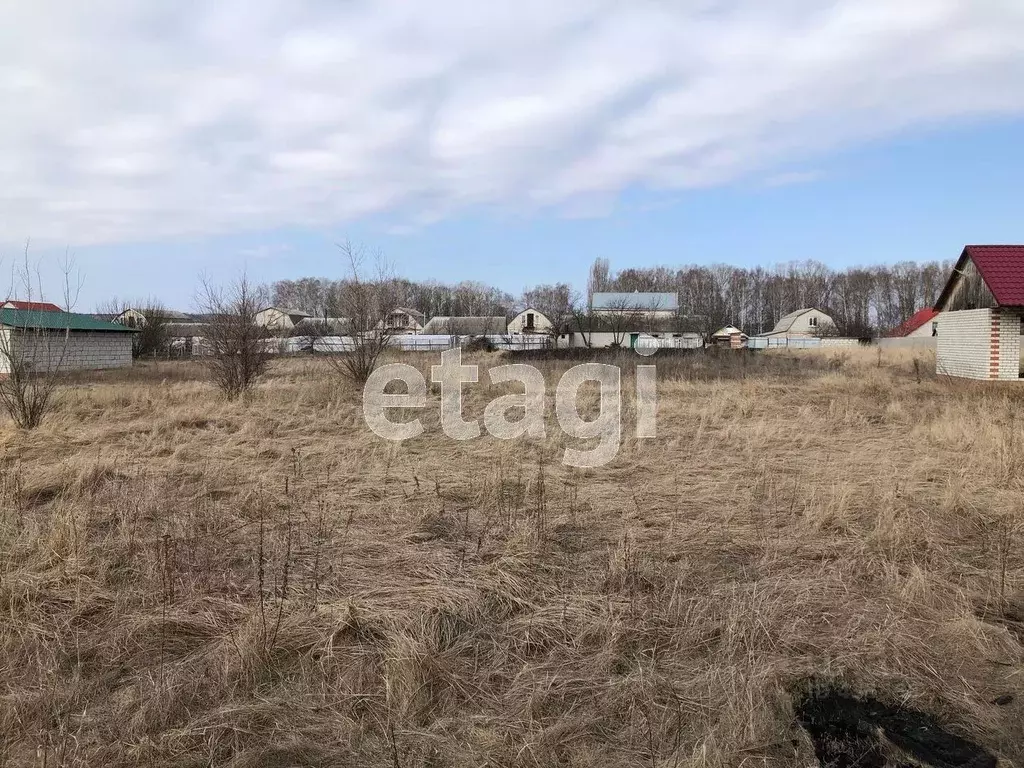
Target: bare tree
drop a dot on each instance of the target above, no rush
(149, 317)
(367, 297)
(623, 315)
(34, 345)
(238, 352)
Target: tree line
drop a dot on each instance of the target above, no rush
(863, 301)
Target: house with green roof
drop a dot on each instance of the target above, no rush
(61, 341)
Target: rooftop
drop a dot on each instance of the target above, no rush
(57, 321)
(1000, 266)
(635, 301)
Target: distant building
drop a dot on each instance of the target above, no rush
(923, 323)
(530, 321)
(33, 306)
(806, 323)
(61, 341)
(729, 336)
(279, 319)
(979, 325)
(652, 306)
(402, 321)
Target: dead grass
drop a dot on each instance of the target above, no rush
(187, 582)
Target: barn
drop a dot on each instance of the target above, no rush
(65, 341)
(979, 325)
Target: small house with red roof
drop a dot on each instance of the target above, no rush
(922, 324)
(31, 306)
(979, 328)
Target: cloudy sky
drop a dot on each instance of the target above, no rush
(510, 142)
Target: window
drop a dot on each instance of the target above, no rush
(529, 319)
(935, 327)
(813, 322)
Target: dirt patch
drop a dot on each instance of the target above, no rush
(848, 731)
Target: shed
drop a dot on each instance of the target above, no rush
(62, 341)
(729, 336)
(981, 306)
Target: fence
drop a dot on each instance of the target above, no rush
(669, 342)
(293, 345)
(777, 342)
(908, 342)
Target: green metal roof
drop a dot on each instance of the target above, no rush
(57, 321)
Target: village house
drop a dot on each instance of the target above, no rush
(979, 325)
(33, 306)
(278, 319)
(530, 321)
(650, 306)
(402, 321)
(61, 341)
(808, 323)
(922, 324)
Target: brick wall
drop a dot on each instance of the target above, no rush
(1009, 343)
(79, 350)
(964, 344)
(979, 344)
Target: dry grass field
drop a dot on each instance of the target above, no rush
(188, 582)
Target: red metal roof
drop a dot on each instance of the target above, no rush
(34, 306)
(916, 320)
(1002, 269)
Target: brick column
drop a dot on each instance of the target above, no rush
(993, 345)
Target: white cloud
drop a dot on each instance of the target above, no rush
(137, 120)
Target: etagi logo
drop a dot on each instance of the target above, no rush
(451, 374)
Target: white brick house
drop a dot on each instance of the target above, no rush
(979, 328)
(52, 341)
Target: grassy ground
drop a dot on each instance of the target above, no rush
(186, 582)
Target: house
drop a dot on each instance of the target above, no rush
(62, 341)
(979, 328)
(922, 324)
(652, 306)
(610, 330)
(529, 321)
(33, 306)
(465, 326)
(279, 319)
(806, 323)
(729, 336)
(402, 321)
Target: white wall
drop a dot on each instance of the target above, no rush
(924, 331)
(273, 319)
(839, 341)
(908, 342)
(78, 350)
(963, 346)
(1009, 344)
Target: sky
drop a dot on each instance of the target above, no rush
(505, 142)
